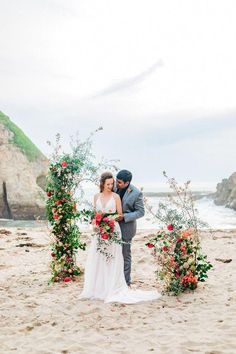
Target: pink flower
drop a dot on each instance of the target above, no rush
(170, 227)
(106, 219)
(150, 245)
(98, 219)
(165, 248)
(55, 216)
(67, 279)
(64, 164)
(104, 236)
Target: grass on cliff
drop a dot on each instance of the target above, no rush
(20, 139)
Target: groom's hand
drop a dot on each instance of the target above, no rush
(119, 218)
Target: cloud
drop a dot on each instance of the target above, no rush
(130, 82)
(202, 126)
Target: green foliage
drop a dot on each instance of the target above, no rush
(20, 139)
(176, 247)
(65, 175)
(104, 230)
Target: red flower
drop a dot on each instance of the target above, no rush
(49, 194)
(183, 249)
(104, 236)
(177, 275)
(98, 219)
(150, 245)
(58, 202)
(189, 279)
(165, 248)
(112, 223)
(64, 164)
(170, 227)
(179, 240)
(53, 254)
(66, 279)
(55, 216)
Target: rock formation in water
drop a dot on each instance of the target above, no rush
(226, 192)
(23, 170)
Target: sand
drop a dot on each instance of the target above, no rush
(37, 318)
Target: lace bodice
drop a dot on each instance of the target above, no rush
(109, 207)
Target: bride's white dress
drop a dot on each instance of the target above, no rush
(104, 279)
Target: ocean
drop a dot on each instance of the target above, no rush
(217, 217)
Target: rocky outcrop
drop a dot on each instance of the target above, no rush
(23, 171)
(226, 192)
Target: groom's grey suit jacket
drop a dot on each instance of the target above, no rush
(133, 208)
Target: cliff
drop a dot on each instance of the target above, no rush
(226, 192)
(23, 170)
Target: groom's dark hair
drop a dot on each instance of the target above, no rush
(124, 175)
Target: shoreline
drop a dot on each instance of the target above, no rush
(86, 230)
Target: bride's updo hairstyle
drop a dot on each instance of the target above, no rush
(103, 178)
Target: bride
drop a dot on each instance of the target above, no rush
(105, 280)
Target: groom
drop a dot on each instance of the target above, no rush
(133, 208)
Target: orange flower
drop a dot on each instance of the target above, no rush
(183, 249)
(187, 233)
(189, 278)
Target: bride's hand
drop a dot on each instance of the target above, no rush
(120, 217)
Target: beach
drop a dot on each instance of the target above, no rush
(47, 319)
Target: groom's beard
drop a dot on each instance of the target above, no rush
(121, 192)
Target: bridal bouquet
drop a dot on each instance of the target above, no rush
(104, 227)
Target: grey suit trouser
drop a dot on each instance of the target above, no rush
(126, 250)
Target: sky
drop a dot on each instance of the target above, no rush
(159, 76)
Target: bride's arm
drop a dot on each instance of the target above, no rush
(118, 204)
(95, 201)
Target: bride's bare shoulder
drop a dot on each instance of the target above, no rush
(115, 195)
(96, 196)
